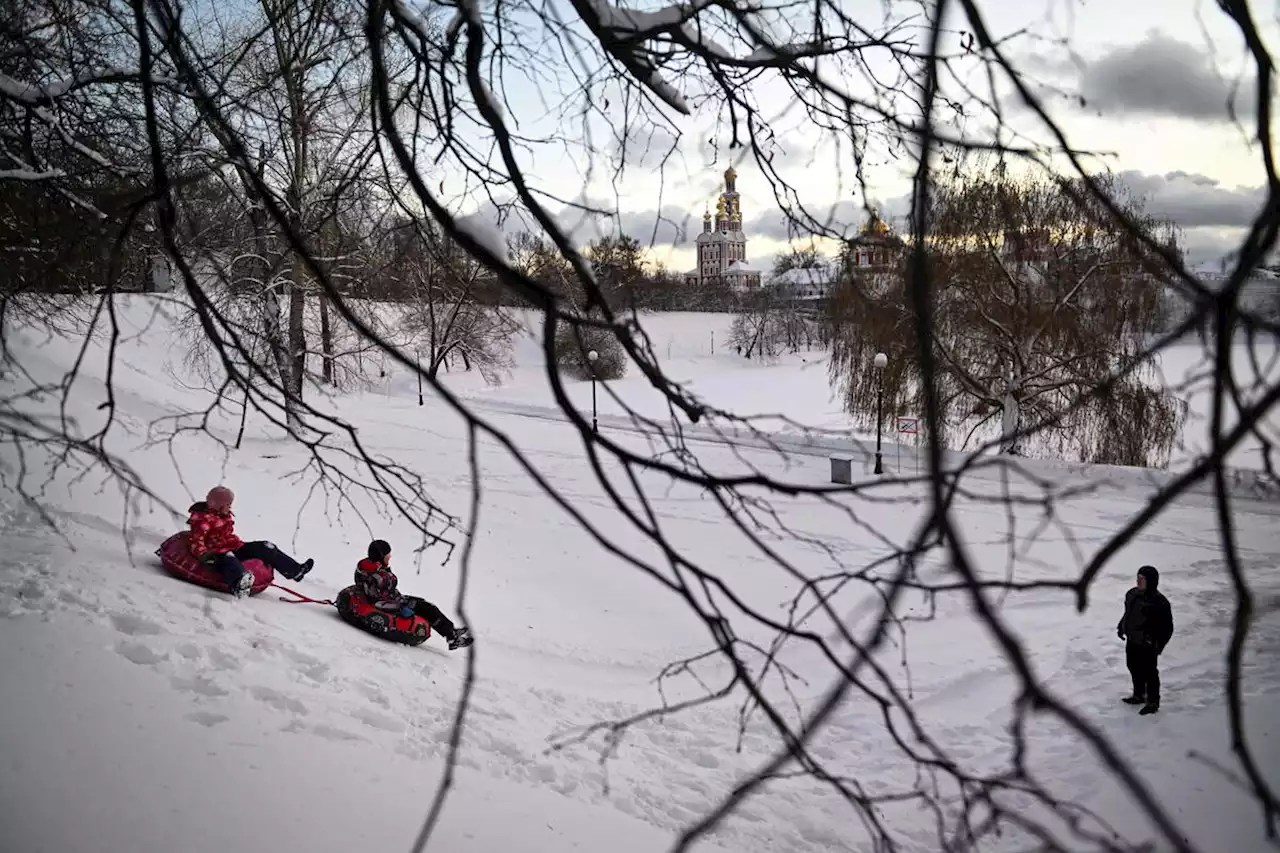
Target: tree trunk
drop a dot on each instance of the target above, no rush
(271, 329)
(1010, 424)
(326, 339)
(297, 333)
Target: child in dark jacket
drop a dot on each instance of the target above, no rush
(213, 540)
(1146, 627)
(378, 583)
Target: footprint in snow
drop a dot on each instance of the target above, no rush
(208, 719)
(209, 614)
(190, 651)
(703, 759)
(134, 625)
(224, 661)
(330, 733)
(140, 653)
(66, 596)
(276, 699)
(201, 685)
(379, 721)
(336, 734)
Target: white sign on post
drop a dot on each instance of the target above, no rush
(908, 426)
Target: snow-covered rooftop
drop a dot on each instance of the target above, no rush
(807, 276)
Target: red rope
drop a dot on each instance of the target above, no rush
(299, 598)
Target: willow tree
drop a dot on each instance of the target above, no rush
(1040, 300)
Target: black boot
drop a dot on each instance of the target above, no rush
(306, 567)
(460, 639)
(1150, 708)
(1135, 699)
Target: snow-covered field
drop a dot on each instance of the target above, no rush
(793, 395)
(142, 714)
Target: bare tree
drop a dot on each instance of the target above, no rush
(444, 320)
(1041, 299)
(619, 268)
(292, 121)
(626, 70)
(799, 257)
(761, 327)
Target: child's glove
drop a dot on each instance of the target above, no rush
(406, 612)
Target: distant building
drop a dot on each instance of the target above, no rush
(1259, 294)
(722, 245)
(876, 248)
(807, 285)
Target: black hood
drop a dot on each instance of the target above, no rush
(1152, 576)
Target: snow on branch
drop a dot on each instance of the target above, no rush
(30, 175)
(796, 50)
(624, 32)
(34, 94)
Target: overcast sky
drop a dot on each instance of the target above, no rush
(1144, 81)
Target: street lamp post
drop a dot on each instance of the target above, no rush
(879, 363)
(591, 358)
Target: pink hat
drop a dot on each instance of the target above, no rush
(220, 497)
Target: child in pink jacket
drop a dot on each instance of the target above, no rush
(213, 540)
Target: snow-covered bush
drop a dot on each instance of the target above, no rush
(573, 343)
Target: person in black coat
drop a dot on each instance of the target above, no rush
(1146, 627)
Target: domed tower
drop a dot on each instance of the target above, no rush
(703, 245)
(876, 246)
(729, 209)
(722, 245)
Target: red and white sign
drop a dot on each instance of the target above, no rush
(908, 426)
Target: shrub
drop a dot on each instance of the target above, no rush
(574, 342)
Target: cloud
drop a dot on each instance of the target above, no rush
(671, 225)
(842, 217)
(1206, 248)
(1192, 201)
(1211, 215)
(703, 157)
(1195, 201)
(1161, 77)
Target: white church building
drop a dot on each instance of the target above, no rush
(722, 245)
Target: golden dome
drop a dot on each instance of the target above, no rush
(730, 174)
(875, 225)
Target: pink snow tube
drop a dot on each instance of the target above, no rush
(176, 557)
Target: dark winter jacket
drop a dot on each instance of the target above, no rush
(211, 532)
(378, 583)
(1147, 619)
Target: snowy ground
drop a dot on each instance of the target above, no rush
(792, 396)
(150, 715)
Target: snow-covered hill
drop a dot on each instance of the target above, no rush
(142, 714)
